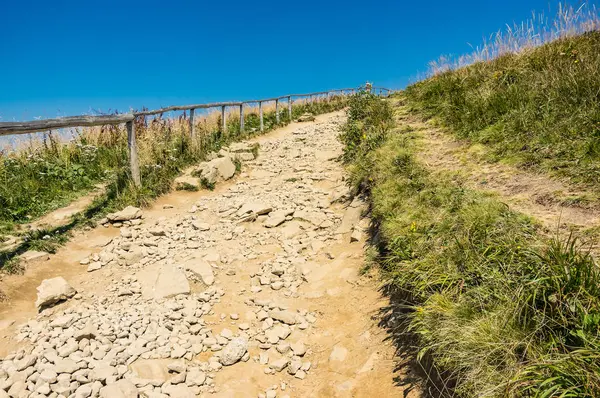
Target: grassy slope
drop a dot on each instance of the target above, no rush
(500, 310)
(539, 109)
(36, 181)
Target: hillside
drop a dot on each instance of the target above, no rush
(538, 109)
(483, 186)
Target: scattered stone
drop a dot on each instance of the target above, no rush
(52, 291)
(286, 317)
(128, 213)
(234, 351)
(202, 269)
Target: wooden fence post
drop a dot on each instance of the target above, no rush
(290, 107)
(277, 110)
(260, 112)
(223, 121)
(133, 156)
(192, 126)
(241, 118)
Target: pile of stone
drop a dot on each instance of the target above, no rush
(277, 324)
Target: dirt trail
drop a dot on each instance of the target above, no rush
(284, 285)
(551, 202)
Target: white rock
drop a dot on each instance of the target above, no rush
(52, 291)
(120, 389)
(234, 351)
(202, 269)
(286, 317)
(128, 213)
(170, 282)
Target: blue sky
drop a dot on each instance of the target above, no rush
(61, 58)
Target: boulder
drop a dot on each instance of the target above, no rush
(52, 291)
(225, 167)
(208, 173)
(170, 282)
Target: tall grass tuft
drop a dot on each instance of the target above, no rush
(501, 311)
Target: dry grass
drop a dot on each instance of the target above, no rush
(568, 22)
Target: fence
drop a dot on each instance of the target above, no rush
(11, 128)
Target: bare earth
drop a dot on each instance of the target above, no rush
(305, 268)
(547, 200)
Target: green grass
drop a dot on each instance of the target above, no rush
(538, 109)
(500, 310)
(38, 180)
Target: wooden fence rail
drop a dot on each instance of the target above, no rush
(12, 128)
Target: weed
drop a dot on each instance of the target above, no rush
(184, 186)
(238, 165)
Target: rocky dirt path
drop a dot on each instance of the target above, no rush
(557, 205)
(252, 290)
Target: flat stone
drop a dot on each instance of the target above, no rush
(338, 353)
(279, 364)
(286, 317)
(202, 269)
(257, 208)
(170, 282)
(179, 391)
(150, 369)
(101, 373)
(65, 366)
(195, 377)
(120, 389)
(350, 219)
(95, 266)
(128, 213)
(201, 226)
(32, 256)
(275, 219)
(185, 181)
(299, 349)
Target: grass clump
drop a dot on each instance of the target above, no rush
(538, 108)
(501, 311)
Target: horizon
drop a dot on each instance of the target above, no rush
(94, 70)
